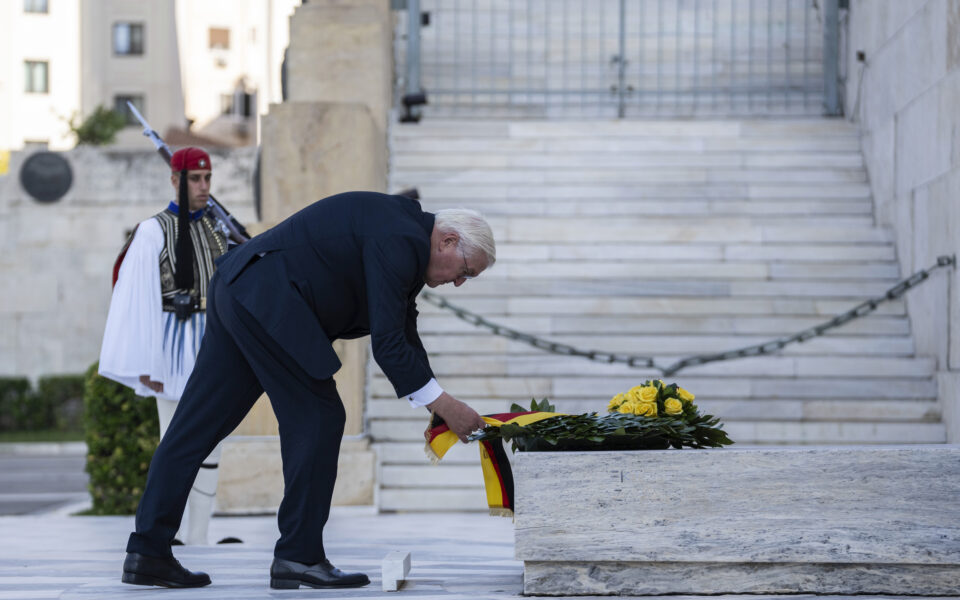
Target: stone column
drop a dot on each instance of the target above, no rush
(328, 137)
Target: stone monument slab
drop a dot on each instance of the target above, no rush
(841, 520)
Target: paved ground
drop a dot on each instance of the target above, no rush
(453, 556)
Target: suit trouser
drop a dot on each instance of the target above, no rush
(195, 523)
(236, 363)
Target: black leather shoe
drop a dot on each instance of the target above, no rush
(166, 572)
(290, 575)
(230, 540)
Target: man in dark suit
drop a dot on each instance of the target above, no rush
(344, 267)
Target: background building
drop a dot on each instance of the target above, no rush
(39, 72)
(214, 65)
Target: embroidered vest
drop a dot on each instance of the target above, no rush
(208, 245)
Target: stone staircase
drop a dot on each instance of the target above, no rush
(665, 239)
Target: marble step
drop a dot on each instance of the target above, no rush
(408, 140)
(432, 499)
(736, 409)
(686, 271)
(545, 324)
(657, 208)
(735, 230)
(445, 191)
(552, 365)
(613, 306)
(856, 291)
(525, 159)
(772, 431)
(521, 389)
(785, 253)
(669, 348)
(602, 129)
(638, 174)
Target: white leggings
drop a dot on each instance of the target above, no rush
(200, 502)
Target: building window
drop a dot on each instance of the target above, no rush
(35, 6)
(238, 103)
(36, 76)
(219, 38)
(128, 39)
(120, 106)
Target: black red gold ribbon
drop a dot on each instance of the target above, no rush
(497, 475)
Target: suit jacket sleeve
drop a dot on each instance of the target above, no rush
(392, 272)
(413, 336)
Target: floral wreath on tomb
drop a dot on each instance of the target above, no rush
(651, 416)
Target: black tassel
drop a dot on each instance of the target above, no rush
(183, 276)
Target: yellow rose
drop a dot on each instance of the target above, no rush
(627, 407)
(672, 406)
(615, 402)
(685, 395)
(648, 394)
(645, 409)
(634, 393)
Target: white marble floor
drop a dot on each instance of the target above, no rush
(454, 556)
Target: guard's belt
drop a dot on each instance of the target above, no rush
(198, 305)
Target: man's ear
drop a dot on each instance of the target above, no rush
(451, 237)
(175, 181)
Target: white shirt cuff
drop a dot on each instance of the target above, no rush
(426, 394)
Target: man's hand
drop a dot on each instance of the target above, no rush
(156, 386)
(460, 418)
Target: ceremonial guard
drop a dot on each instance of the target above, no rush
(158, 312)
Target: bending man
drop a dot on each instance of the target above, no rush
(344, 267)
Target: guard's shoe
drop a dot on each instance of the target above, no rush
(230, 540)
(165, 572)
(290, 575)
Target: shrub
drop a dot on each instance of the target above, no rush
(61, 396)
(13, 390)
(54, 406)
(99, 128)
(122, 432)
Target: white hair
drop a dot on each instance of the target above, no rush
(473, 230)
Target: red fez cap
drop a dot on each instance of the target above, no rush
(190, 158)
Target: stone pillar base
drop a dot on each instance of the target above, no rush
(251, 475)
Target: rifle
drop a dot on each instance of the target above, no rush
(226, 223)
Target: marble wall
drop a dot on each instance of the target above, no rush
(905, 95)
(56, 260)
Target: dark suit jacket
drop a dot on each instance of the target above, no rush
(343, 267)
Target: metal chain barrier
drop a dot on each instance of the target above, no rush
(633, 360)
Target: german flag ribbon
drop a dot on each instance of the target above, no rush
(497, 476)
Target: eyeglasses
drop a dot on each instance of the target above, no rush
(466, 267)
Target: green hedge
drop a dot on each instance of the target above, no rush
(54, 405)
(122, 431)
(13, 390)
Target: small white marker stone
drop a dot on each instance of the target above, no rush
(394, 570)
